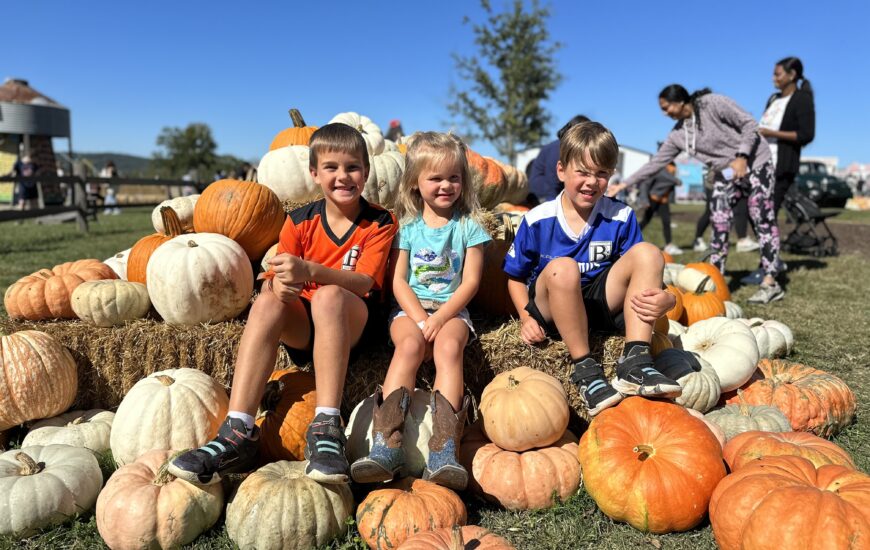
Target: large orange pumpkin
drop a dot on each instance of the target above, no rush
(676, 313)
(651, 464)
(298, 134)
(389, 516)
(716, 276)
(45, 294)
(287, 409)
(750, 446)
(786, 502)
(488, 179)
(470, 537)
(492, 296)
(137, 262)
(246, 212)
(700, 304)
(813, 400)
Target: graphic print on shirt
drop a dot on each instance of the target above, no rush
(600, 250)
(433, 271)
(348, 263)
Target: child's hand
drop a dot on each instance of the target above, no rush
(286, 293)
(652, 303)
(531, 332)
(431, 326)
(290, 269)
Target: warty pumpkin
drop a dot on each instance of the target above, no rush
(739, 418)
(469, 537)
(286, 410)
(110, 302)
(88, 429)
(137, 262)
(45, 294)
(298, 134)
(750, 446)
(728, 345)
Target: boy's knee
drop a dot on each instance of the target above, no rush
(266, 304)
(561, 273)
(649, 254)
(329, 297)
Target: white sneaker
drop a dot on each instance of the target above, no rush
(747, 244)
(673, 249)
(700, 245)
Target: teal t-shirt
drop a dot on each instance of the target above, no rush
(437, 254)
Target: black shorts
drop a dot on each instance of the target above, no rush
(598, 314)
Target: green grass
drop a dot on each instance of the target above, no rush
(825, 306)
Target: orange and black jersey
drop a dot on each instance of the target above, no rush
(364, 248)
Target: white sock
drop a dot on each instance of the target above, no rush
(246, 418)
(331, 411)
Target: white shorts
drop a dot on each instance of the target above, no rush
(399, 312)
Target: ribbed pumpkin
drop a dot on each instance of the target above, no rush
(492, 296)
(733, 310)
(700, 304)
(110, 302)
(470, 537)
(521, 481)
(750, 446)
(45, 294)
(88, 429)
(143, 506)
(370, 131)
(487, 178)
(524, 408)
(728, 345)
(385, 177)
(183, 208)
(813, 400)
(739, 418)
(286, 172)
(298, 134)
(716, 276)
(247, 212)
(700, 383)
(774, 339)
(389, 516)
(676, 312)
(137, 262)
(786, 502)
(671, 273)
(670, 461)
(286, 410)
(38, 377)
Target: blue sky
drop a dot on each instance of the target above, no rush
(127, 69)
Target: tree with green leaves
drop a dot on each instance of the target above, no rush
(509, 77)
(185, 150)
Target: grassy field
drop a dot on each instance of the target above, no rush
(825, 305)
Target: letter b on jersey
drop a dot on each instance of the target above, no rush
(599, 250)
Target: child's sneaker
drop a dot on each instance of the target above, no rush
(636, 375)
(747, 244)
(589, 378)
(767, 293)
(324, 450)
(230, 451)
(699, 245)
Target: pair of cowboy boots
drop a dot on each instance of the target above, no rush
(387, 457)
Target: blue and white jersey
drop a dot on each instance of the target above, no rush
(544, 235)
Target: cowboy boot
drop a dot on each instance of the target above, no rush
(447, 425)
(386, 456)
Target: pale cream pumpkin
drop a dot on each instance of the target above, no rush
(171, 409)
(285, 171)
(385, 177)
(690, 279)
(199, 278)
(390, 145)
(143, 506)
(118, 263)
(774, 339)
(671, 273)
(732, 310)
(675, 330)
(279, 508)
(736, 419)
(415, 435)
(43, 486)
(88, 429)
(183, 207)
(728, 345)
(523, 409)
(700, 383)
(370, 131)
(110, 302)
(38, 377)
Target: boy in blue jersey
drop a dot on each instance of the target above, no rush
(579, 262)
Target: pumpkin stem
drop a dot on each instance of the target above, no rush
(700, 289)
(512, 382)
(171, 224)
(192, 244)
(645, 451)
(77, 421)
(744, 406)
(162, 477)
(297, 119)
(456, 541)
(165, 380)
(31, 467)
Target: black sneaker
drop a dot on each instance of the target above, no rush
(231, 451)
(636, 375)
(593, 387)
(324, 450)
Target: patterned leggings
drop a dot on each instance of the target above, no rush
(758, 186)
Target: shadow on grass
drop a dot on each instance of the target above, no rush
(784, 279)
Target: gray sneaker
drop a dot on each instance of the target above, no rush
(767, 294)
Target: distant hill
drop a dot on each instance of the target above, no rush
(128, 165)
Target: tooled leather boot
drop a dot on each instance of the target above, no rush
(387, 456)
(447, 425)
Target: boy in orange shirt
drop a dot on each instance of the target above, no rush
(331, 254)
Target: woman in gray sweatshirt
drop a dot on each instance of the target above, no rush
(715, 130)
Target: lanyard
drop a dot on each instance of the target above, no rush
(690, 148)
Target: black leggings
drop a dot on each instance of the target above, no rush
(664, 210)
(780, 188)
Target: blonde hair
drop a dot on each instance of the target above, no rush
(340, 138)
(427, 149)
(592, 139)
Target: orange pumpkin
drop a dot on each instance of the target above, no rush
(246, 212)
(813, 400)
(287, 409)
(750, 446)
(700, 304)
(137, 262)
(45, 294)
(786, 502)
(668, 258)
(389, 516)
(298, 134)
(492, 296)
(468, 537)
(488, 179)
(677, 311)
(716, 276)
(659, 340)
(651, 464)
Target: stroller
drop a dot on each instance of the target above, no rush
(807, 236)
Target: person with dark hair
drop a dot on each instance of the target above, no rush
(659, 189)
(544, 184)
(395, 132)
(718, 132)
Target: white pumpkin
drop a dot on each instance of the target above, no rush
(118, 263)
(390, 145)
(264, 263)
(88, 429)
(285, 171)
(385, 177)
(690, 279)
(415, 436)
(43, 486)
(700, 383)
(110, 302)
(774, 339)
(728, 345)
(675, 329)
(671, 272)
(732, 310)
(736, 419)
(173, 409)
(278, 507)
(370, 131)
(199, 278)
(183, 207)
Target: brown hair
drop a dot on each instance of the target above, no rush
(337, 137)
(590, 138)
